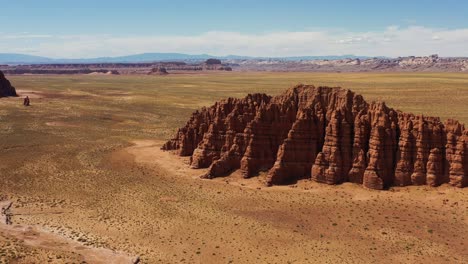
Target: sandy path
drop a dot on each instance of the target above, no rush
(37, 238)
(149, 151)
(32, 94)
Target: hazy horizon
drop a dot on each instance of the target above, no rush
(58, 29)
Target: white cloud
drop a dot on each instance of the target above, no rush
(392, 41)
(25, 35)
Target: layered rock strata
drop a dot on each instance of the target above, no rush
(5, 87)
(329, 135)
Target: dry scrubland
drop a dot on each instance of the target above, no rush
(70, 166)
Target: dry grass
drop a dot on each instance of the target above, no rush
(68, 153)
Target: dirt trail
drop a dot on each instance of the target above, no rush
(149, 152)
(37, 238)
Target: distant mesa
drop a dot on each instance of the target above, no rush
(143, 63)
(328, 135)
(116, 68)
(6, 89)
(432, 63)
(213, 62)
(158, 71)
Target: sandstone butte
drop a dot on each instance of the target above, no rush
(5, 87)
(329, 135)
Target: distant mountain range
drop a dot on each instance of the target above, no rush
(13, 58)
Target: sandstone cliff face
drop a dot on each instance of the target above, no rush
(5, 87)
(329, 135)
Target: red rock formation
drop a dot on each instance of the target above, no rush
(329, 135)
(329, 165)
(379, 173)
(435, 168)
(217, 126)
(406, 152)
(296, 154)
(5, 87)
(459, 165)
(360, 147)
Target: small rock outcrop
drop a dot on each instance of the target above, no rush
(158, 71)
(5, 87)
(329, 135)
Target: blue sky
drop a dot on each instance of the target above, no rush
(85, 28)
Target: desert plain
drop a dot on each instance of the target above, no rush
(89, 183)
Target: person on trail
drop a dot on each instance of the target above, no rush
(7, 214)
(4, 213)
(26, 101)
(8, 218)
